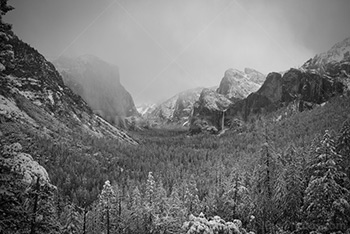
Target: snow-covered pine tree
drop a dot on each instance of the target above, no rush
(149, 204)
(108, 202)
(94, 219)
(191, 199)
(150, 190)
(289, 189)
(343, 148)
(71, 220)
(326, 206)
(236, 197)
(137, 212)
(264, 179)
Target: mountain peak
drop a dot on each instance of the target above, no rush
(339, 52)
(238, 84)
(234, 74)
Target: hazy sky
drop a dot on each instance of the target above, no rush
(165, 46)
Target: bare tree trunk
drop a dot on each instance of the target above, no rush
(84, 225)
(32, 225)
(107, 220)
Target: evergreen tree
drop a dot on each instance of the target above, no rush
(289, 189)
(108, 203)
(343, 148)
(137, 212)
(191, 199)
(150, 204)
(326, 204)
(4, 8)
(236, 198)
(265, 177)
(94, 220)
(71, 220)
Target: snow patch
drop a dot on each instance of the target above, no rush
(50, 97)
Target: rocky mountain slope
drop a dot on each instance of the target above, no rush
(180, 108)
(237, 84)
(208, 111)
(175, 110)
(319, 79)
(335, 63)
(98, 83)
(35, 101)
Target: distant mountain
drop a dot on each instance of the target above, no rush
(180, 108)
(176, 110)
(98, 83)
(35, 101)
(339, 53)
(237, 84)
(335, 63)
(318, 80)
(145, 109)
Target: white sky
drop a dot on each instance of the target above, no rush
(165, 46)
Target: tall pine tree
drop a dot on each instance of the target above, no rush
(326, 204)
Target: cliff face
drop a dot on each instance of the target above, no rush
(209, 112)
(34, 97)
(237, 84)
(319, 79)
(98, 83)
(277, 91)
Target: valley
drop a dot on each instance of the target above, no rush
(255, 154)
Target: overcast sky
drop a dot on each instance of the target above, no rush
(165, 46)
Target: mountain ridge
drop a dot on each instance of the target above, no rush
(315, 82)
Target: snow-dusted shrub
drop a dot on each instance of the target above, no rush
(216, 225)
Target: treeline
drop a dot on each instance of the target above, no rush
(295, 191)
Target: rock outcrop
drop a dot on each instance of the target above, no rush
(98, 83)
(307, 89)
(237, 84)
(176, 110)
(210, 110)
(334, 64)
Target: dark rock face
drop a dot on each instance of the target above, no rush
(272, 87)
(208, 111)
(308, 87)
(98, 83)
(211, 110)
(278, 91)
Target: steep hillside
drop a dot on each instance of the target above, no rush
(98, 83)
(34, 97)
